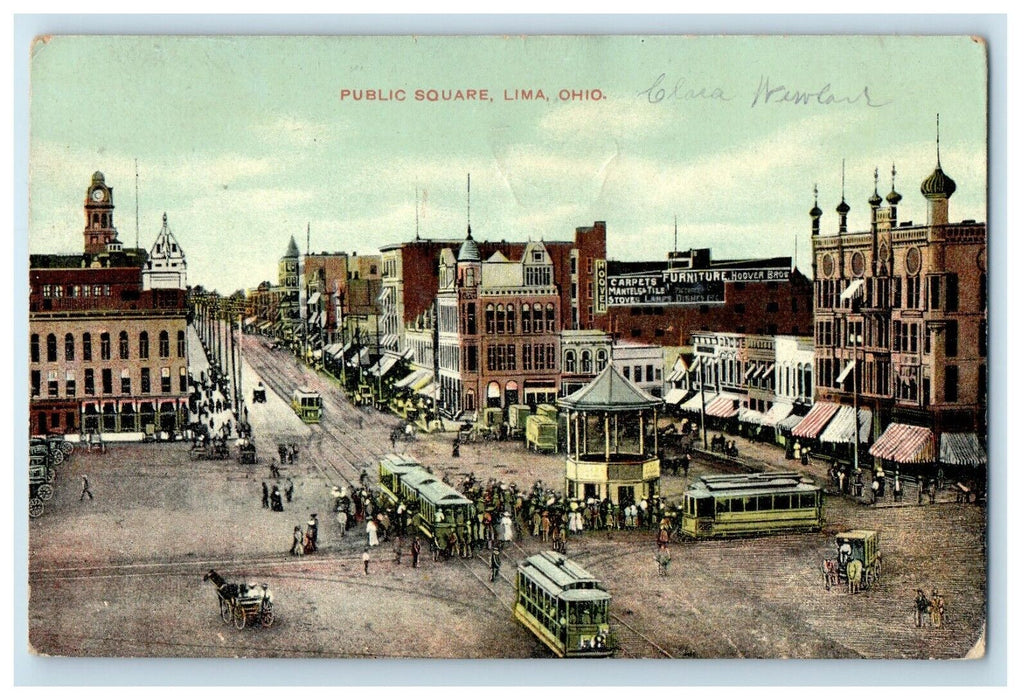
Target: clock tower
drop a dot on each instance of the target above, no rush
(99, 210)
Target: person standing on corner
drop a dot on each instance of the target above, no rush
(85, 488)
(366, 558)
(415, 551)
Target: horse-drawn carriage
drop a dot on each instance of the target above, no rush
(405, 432)
(215, 448)
(240, 603)
(41, 479)
(259, 394)
(247, 452)
(858, 561)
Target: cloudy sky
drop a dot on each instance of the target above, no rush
(244, 141)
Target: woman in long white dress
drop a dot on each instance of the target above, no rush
(372, 529)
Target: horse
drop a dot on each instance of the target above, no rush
(830, 569)
(854, 572)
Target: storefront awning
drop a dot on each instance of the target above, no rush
(964, 449)
(748, 415)
(430, 390)
(723, 406)
(334, 350)
(264, 325)
(787, 424)
(674, 397)
(776, 413)
(677, 375)
(905, 444)
(313, 298)
(816, 420)
(412, 379)
(840, 428)
(249, 320)
(845, 372)
(751, 370)
(390, 341)
(695, 403)
(385, 364)
(768, 370)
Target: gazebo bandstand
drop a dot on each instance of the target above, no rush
(608, 440)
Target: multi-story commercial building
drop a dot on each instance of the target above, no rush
(585, 353)
(499, 328)
(107, 353)
(664, 302)
(640, 363)
(900, 324)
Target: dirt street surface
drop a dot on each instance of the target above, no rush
(121, 575)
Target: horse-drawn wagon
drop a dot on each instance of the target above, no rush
(858, 561)
(241, 603)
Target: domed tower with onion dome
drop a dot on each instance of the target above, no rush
(815, 216)
(893, 198)
(843, 209)
(937, 188)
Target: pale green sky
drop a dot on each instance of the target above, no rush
(242, 141)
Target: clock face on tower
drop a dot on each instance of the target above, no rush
(98, 195)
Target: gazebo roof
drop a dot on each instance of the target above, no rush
(609, 392)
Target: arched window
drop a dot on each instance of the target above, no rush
(144, 345)
(51, 348)
(587, 362)
(601, 360)
(570, 366)
(123, 350)
(808, 388)
(511, 320)
(105, 346)
(180, 344)
(87, 347)
(551, 318)
(69, 347)
(34, 347)
(163, 347)
(501, 318)
(537, 317)
(490, 319)
(526, 319)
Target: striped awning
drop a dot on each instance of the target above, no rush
(961, 448)
(674, 397)
(905, 444)
(677, 374)
(748, 415)
(723, 407)
(816, 420)
(840, 428)
(776, 413)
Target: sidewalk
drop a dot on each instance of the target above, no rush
(762, 456)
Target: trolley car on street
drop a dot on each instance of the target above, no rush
(563, 605)
(436, 508)
(740, 505)
(390, 468)
(307, 404)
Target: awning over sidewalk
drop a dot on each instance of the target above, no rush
(695, 403)
(906, 444)
(816, 420)
(840, 428)
(748, 415)
(415, 380)
(724, 406)
(962, 449)
(789, 423)
(677, 374)
(430, 390)
(776, 413)
(674, 397)
(333, 350)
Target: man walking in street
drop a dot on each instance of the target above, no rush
(85, 488)
(494, 563)
(264, 494)
(366, 558)
(415, 551)
(921, 606)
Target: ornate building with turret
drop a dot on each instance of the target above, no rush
(107, 343)
(166, 266)
(900, 331)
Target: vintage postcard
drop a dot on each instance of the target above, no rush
(508, 347)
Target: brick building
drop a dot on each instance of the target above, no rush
(900, 325)
(105, 353)
(664, 302)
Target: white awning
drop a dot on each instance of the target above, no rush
(754, 367)
(845, 372)
(767, 370)
(313, 298)
(776, 413)
(851, 289)
(677, 374)
(430, 390)
(696, 402)
(840, 428)
(674, 397)
(390, 341)
(383, 295)
(414, 380)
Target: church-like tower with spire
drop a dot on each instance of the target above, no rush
(900, 330)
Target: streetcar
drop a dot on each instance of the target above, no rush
(390, 468)
(307, 404)
(740, 505)
(436, 508)
(563, 605)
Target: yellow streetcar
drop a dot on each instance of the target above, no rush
(307, 404)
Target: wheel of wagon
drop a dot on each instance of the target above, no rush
(226, 611)
(239, 617)
(267, 617)
(57, 456)
(67, 447)
(45, 491)
(35, 508)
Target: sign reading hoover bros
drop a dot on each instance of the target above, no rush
(683, 286)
